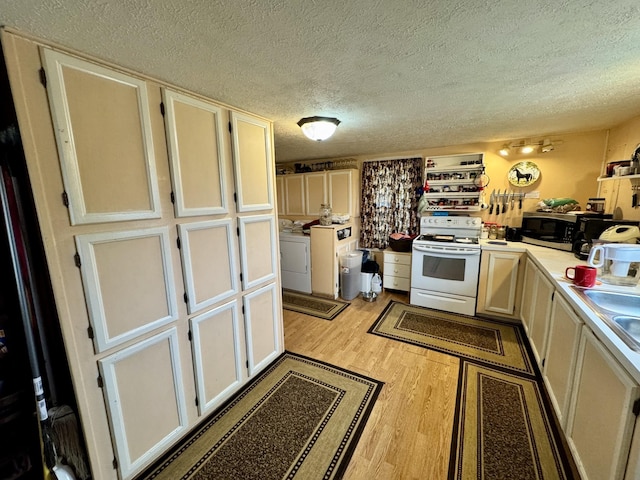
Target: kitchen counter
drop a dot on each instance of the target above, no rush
(554, 263)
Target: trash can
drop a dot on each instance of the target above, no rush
(350, 266)
(369, 268)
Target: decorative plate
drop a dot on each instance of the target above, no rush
(523, 174)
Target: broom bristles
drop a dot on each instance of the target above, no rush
(66, 438)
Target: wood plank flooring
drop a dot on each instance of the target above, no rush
(408, 435)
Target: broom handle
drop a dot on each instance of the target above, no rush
(26, 314)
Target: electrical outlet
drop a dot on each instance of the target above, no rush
(534, 194)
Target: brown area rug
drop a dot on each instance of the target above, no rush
(324, 308)
(300, 418)
(503, 430)
(492, 342)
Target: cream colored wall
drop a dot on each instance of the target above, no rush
(623, 140)
(570, 170)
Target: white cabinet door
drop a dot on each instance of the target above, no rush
(103, 132)
(498, 286)
(281, 195)
(194, 131)
(341, 191)
(315, 185)
(560, 357)
(601, 420)
(295, 194)
(528, 294)
(540, 312)
(253, 162)
(262, 327)
(217, 348)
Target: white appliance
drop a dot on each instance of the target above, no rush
(295, 261)
(619, 263)
(445, 264)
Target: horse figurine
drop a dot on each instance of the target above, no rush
(526, 176)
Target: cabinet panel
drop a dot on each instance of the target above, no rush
(253, 162)
(498, 286)
(560, 356)
(142, 425)
(107, 160)
(194, 136)
(341, 187)
(262, 328)
(528, 294)
(281, 195)
(540, 312)
(315, 192)
(295, 194)
(258, 249)
(217, 355)
(208, 262)
(600, 420)
(128, 283)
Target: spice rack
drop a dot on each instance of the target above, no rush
(454, 182)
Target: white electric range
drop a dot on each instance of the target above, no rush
(445, 263)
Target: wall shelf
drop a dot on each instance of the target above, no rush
(619, 177)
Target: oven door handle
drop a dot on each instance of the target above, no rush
(450, 251)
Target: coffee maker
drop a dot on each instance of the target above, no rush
(590, 229)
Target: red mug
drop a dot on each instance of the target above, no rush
(583, 275)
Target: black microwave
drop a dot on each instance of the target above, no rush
(554, 230)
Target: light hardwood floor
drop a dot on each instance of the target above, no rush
(408, 435)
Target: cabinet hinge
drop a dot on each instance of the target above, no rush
(543, 360)
(162, 108)
(76, 259)
(178, 243)
(173, 198)
(185, 297)
(243, 309)
(189, 335)
(100, 382)
(230, 128)
(636, 407)
(43, 77)
(247, 363)
(90, 332)
(238, 231)
(115, 463)
(197, 403)
(241, 280)
(235, 197)
(553, 294)
(65, 199)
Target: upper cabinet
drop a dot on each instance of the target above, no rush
(194, 136)
(305, 192)
(253, 162)
(110, 176)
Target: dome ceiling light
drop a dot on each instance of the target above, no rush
(318, 128)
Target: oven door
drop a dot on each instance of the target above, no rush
(452, 270)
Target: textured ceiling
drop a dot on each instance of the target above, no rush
(400, 75)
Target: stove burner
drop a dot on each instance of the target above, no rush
(464, 240)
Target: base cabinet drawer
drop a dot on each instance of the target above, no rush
(397, 283)
(397, 270)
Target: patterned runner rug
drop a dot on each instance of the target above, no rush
(318, 307)
(299, 418)
(492, 342)
(503, 430)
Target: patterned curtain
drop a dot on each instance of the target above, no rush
(389, 201)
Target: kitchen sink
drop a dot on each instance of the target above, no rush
(620, 311)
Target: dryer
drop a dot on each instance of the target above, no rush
(295, 261)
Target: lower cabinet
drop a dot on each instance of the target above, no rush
(600, 422)
(397, 270)
(501, 274)
(536, 308)
(327, 244)
(560, 356)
